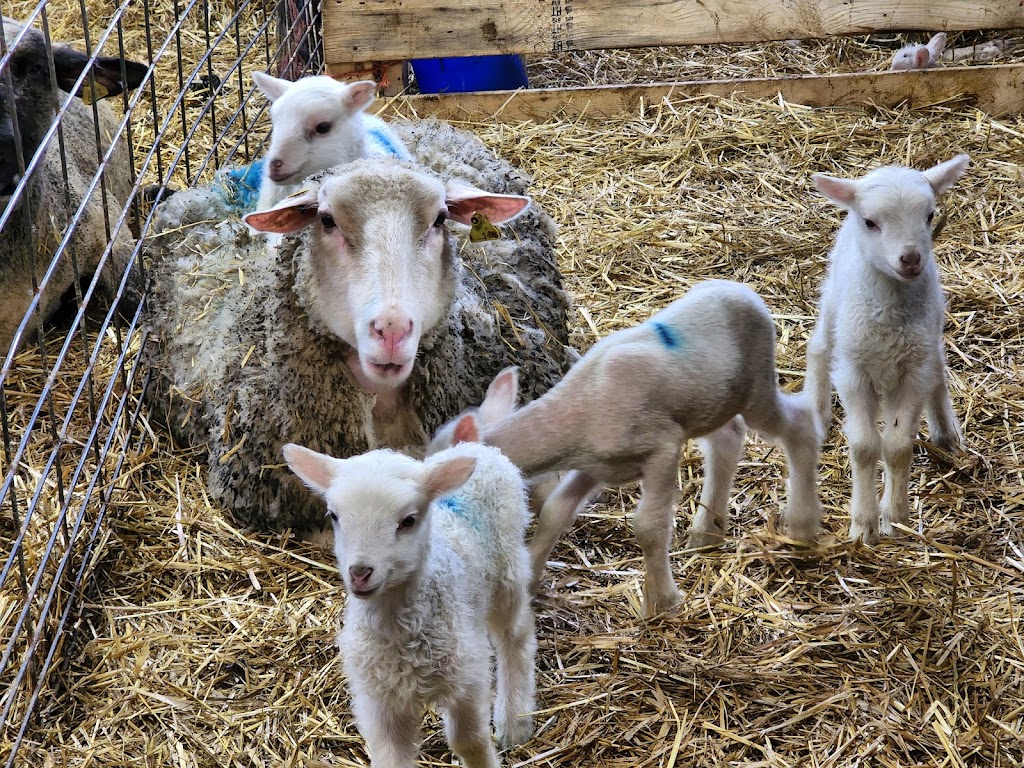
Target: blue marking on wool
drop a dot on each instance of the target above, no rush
(667, 336)
(381, 137)
(457, 508)
(240, 185)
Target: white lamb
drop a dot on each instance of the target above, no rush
(879, 333)
(704, 367)
(318, 123)
(920, 56)
(433, 559)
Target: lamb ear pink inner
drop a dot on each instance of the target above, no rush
(282, 220)
(497, 208)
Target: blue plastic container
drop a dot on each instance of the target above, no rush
(470, 73)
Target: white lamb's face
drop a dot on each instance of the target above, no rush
(895, 215)
(381, 531)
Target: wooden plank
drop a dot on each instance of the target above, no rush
(389, 75)
(356, 30)
(998, 90)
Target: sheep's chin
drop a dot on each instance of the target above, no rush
(383, 380)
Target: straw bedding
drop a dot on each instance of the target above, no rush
(203, 645)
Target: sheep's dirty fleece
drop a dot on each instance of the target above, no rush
(243, 369)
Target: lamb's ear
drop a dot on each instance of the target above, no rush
(442, 477)
(840, 191)
(500, 400)
(463, 201)
(106, 71)
(273, 87)
(360, 95)
(315, 469)
(290, 215)
(466, 430)
(944, 175)
(922, 58)
(937, 45)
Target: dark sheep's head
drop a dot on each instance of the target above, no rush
(26, 98)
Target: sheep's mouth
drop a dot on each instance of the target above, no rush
(910, 273)
(388, 370)
(362, 594)
(281, 178)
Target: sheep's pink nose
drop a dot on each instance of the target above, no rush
(392, 330)
(910, 259)
(276, 163)
(360, 575)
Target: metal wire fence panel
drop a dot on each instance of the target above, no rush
(89, 141)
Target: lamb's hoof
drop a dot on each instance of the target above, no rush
(864, 534)
(662, 603)
(515, 731)
(703, 539)
(804, 536)
(952, 443)
(887, 527)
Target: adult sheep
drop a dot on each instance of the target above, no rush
(41, 214)
(256, 347)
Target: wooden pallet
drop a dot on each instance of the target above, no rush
(393, 31)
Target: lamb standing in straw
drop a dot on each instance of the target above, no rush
(879, 333)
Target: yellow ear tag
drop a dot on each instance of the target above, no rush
(482, 229)
(302, 191)
(101, 92)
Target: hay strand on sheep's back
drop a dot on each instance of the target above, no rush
(203, 645)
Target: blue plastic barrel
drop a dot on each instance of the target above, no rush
(470, 73)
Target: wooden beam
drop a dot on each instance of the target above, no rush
(997, 89)
(360, 30)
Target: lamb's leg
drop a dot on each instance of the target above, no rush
(861, 405)
(943, 425)
(653, 523)
(902, 417)
(515, 645)
(790, 419)
(390, 730)
(467, 726)
(557, 515)
(817, 382)
(722, 450)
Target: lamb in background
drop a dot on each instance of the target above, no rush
(35, 229)
(434, 563)
(704, 367)
(254, 350)
(879, 333)
(318, 123)
(920, 56)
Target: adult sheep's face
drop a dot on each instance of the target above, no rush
(381, 257)
(27, 108)
(891, 211)
(379, 505)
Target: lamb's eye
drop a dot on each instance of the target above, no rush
(327, 220)
(334, 517)
(441, 217)
(931, 216)
(323, 128)
(870, 224)
(408, 522)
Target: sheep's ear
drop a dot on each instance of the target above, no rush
(315, 469)
(839, 191)
(360, 95)
(106, 71)
(463, 201)
(273, 87)
(445, 476)
(290, 215)
(466, 430)
(500, 400)
(937, 45)
(944, 175)
(922, 58)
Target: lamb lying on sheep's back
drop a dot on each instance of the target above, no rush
(369, 328)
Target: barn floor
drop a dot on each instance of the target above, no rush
(201, 645)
